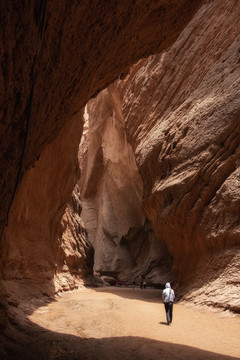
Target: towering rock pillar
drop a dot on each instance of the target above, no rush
(111, 189)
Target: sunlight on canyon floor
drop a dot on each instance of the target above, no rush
(133, 324)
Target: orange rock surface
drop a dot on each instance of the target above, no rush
(125, 247)
(55, 58)
(172, 123)
(180, 111)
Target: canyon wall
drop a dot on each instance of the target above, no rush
(55, 58)
(182, 115)
(126, 248)
(176, 116)
(45, 248)
(180, 112)
(31, 248)
(171, 209)
(38, 255)
(73, 252)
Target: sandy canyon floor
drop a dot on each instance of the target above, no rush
(122, 323)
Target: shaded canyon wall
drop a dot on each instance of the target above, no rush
(180, 112)
(111, 188)
(36, 246)
(55, 58)
(185, 146)
(52, 62)
(182, 116)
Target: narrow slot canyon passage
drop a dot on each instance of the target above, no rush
(120, 165)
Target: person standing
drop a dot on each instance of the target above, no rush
(168, 296)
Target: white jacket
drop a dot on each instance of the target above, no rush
(168, 295)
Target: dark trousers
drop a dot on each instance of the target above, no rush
(169, 310)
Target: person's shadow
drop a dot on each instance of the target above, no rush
(163, 323)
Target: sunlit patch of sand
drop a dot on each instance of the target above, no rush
(123, 312)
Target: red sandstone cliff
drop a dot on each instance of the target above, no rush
(74, 253)
(180, 112)
(111, 191)
(30, 245)
(182, 116)
(54, 58)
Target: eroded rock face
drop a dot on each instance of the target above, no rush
(29, 248)
(111, 192)
(74, 253)
(216, 282)
(180, 111)
(55, 58)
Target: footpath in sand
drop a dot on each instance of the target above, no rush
(122, 323)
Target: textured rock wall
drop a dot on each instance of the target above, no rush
(38, 258)
(55, 58)
(29, 248)
(74, 253)
(180, 111)
(216, 282)
(186, 144)
(111, 193)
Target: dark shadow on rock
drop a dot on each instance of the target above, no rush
(208, 270)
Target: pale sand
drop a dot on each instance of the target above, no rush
(122, 323)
